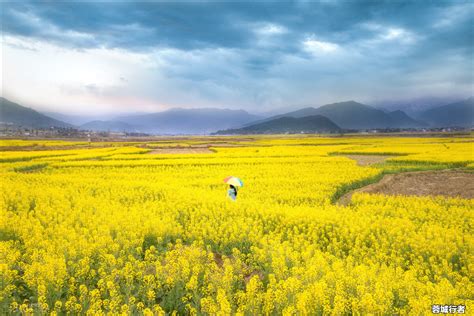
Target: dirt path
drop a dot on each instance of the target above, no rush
(367, 160)
(448, 183)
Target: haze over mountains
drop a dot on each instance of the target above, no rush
(188, 121)
(111, 126)
(349, 115)
(76, 120)
(453, 114)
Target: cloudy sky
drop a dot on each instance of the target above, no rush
(104, 57)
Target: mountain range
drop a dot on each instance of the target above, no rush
(454, 114)
(357, 116)
(349, 115)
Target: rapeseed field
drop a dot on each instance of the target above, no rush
(114, 229)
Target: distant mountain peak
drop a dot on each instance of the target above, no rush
(350, 103)
(285, 124)
(18, 115)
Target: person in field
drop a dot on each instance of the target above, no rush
(232, 192)
(233, 183)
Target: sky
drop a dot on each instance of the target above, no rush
(261, 56)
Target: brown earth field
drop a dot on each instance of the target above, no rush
(449, 183)
(367, 160)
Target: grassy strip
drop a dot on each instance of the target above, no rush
(31, 168)
(361, 153)
(421, 163)
(18, 159)
(346, 188)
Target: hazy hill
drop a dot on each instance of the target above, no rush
(401, 120)
(189, 121)
(281, 125)
(15, 114)
(75, 119)
(112, 126)
(459, 114)
(354, 115)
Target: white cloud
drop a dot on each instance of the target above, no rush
(385, 33)
(393, 33)
(398, 34)
(268, 35)
(316, 47)
(270, 29)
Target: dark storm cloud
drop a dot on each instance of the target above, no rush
(188, 25)
(284, 48)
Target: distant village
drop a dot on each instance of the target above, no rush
(13, 131)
